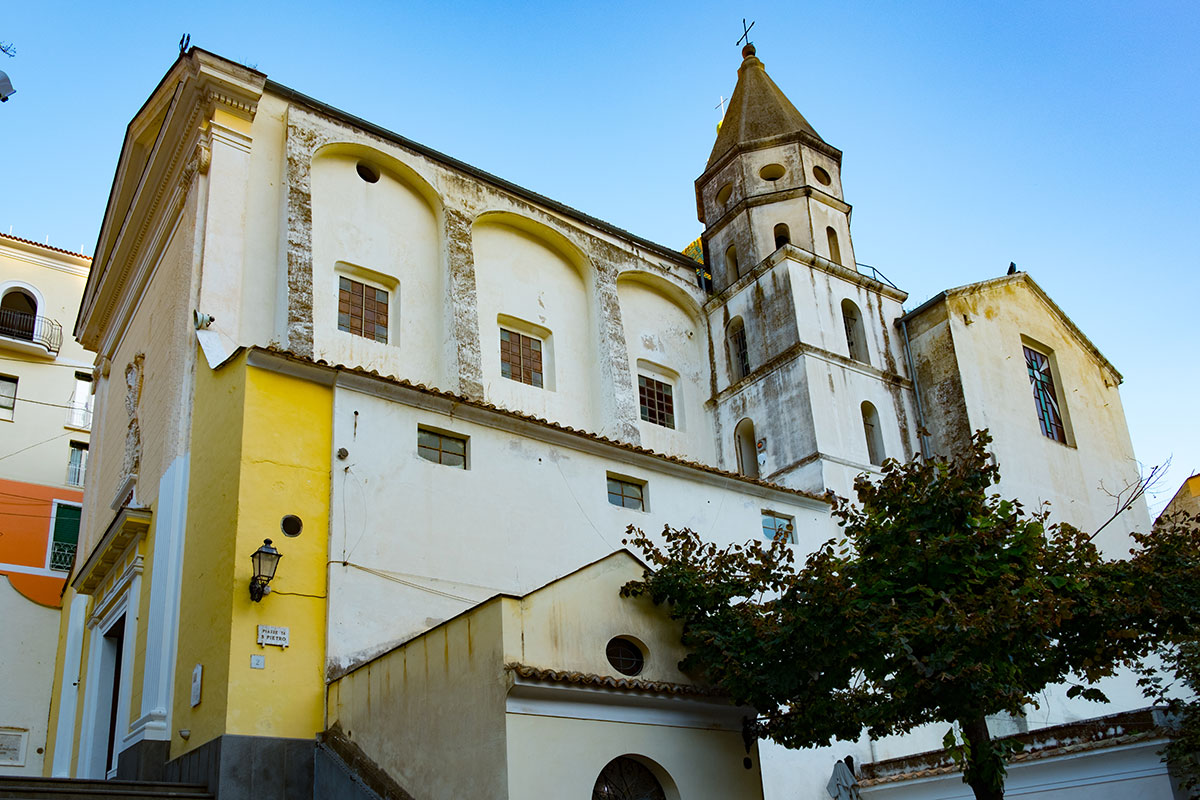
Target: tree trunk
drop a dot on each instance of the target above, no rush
(984, 769)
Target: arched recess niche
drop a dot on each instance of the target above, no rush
(534, 280)
(664, 326)
(746, 448)
(385, 234)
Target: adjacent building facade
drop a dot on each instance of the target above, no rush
(438, 394)
(45, 419)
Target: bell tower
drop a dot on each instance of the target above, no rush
(808, 382)
(770, 180)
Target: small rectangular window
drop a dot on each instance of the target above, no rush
(442, 448)
(520, 357)
(626, 493)
(77, 463)
(656, 401)
(66, 537)
(1045, 399)
(8, 397)
(362, 310)
(774, 525)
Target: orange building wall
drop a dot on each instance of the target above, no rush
(25, 514)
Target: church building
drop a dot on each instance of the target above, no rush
(371, 425)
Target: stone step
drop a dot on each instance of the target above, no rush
(29, 788)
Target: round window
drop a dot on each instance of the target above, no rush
(723, 195)
(625, 656)
(367, 172)
(822, 176)
(291, 525)
(771, 172)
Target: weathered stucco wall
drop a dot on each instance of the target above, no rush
(417, 710)
(990, 327)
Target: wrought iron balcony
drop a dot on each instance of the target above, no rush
(62, 556)
(22, 327)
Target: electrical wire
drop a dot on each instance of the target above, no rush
(390, 576)
(300, 594)
(37, 444)
(20, 399)
(76, 367)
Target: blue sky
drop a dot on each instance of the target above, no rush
(1061, 136)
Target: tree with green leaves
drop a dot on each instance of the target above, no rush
(943, 602)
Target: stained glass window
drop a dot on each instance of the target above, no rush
(1044, 397)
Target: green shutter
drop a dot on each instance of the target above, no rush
(66, 524)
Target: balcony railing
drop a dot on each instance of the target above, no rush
(27, 327)
(874, 274)
(62, 556)
(79, 415)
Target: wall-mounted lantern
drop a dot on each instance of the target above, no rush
(265, 560)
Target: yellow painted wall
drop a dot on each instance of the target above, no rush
(261, 449)
(285, 462)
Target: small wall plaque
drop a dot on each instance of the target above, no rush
(12, 746)
(272, 635)
(197, 679)
(258, 662)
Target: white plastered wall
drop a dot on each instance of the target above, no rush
(539, 509)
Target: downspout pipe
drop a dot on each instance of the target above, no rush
(922, 436)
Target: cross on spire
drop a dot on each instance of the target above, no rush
(721, 105)
(745, 32)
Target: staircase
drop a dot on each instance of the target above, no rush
(80, 789)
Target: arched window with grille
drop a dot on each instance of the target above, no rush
(625, 778)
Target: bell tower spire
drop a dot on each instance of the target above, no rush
(770, 180)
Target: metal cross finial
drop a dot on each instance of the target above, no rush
(721, 105)
(745, 32)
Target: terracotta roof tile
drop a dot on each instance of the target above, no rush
(44, 246)
(609, 682)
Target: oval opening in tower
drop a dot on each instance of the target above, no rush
(772, 172)
(367, 172)
(723, 195)
(822, 176)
